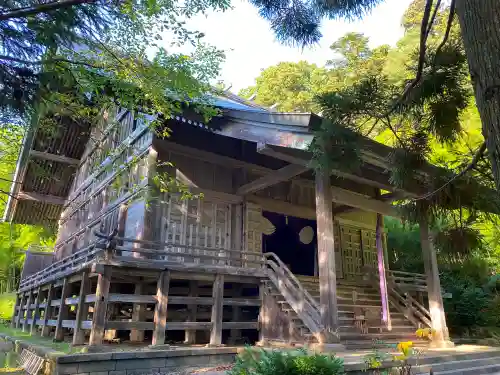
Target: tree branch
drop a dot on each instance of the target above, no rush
(42, 8)
(433, 18)
(451, 16)
(48, 61)
(479, 153)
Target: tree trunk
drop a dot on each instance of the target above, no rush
(480, 26)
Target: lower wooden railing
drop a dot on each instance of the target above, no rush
(111, 248)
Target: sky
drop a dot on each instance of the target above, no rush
(250, 44)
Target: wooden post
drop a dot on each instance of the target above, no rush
(81, 310)
(28, 305)
(190, 334)
(441, 336)
(217, 308)
(160, 316)
(100, 307)
(326, 254)
(137, 314)
(386, 318)
(20, 313)
(18, 303)
(63, 310)
(47, 312)
(36, 310)
(235, 334)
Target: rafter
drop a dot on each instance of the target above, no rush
(44, 198)
(54, 157)
(280, 175)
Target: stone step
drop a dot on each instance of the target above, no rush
(410, 330)
(383, 337)
(371, 344)
(451, 367)
(478, 370)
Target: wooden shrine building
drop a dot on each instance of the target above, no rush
(267, 250)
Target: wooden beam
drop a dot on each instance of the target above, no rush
(367, 177)
(284, 208)
(36, 310)
(280, 175)
(63, 311)
(160, 317)
(100, 307)
(216, 319)
(81, 310)
(48, 311)
(54, 157)
(362, 202)
(50, 199)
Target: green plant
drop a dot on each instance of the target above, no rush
(277, 362)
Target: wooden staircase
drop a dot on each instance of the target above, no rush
(352, 297)
(298, 299)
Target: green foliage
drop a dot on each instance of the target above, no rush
(276, 362)
(7, 301)
(298, 22)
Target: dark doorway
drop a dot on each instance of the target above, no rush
(296, 250)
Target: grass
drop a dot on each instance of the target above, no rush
(7, 301)
(18, 334)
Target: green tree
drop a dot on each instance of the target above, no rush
(289, 87)
(299, 22)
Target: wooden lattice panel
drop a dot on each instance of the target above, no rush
(369, 248)
(253, 230)
(350, 239)
(30, 362)
(195, 222)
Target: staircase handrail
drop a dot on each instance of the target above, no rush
(292, 278)
(410, 280)
(397, 296)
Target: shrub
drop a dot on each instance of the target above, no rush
(275, 362)
(7, 301)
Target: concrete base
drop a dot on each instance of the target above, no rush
(441, 344)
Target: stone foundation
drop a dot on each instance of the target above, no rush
(150, 362)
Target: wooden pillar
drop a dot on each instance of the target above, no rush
(100, 306)
(190, 334)
(28, 305)
(160, 316)
(235, 334)
(138, 314)
(441, 336)
(217, 309)
(263, 319)
(20, 313)
(63, 310)
(326, 254)
(47, 312)
(81, 310)
(36, 310)
(18, 303)
(386, 318)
